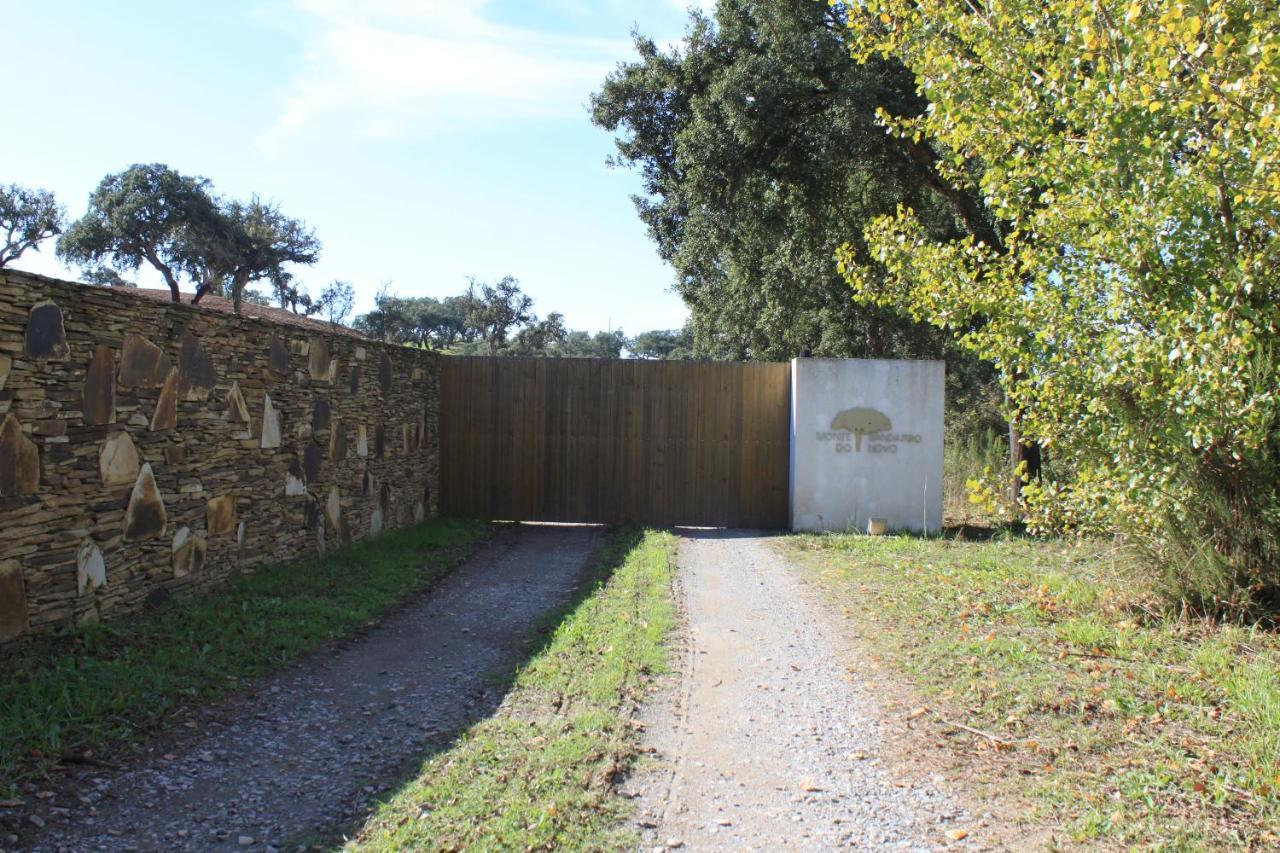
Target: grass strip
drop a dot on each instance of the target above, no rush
(107, 685)
(1123, 726)
(538, 774)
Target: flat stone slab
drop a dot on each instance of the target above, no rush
(166, 414)
(46, 338)
(118, 460)
(13, 600)
(220, 515)
(142, 363)
(237, 411)
(146, 517)
(195, 369)
(384, 372)
(318, 360)
(91, 569)
(338, 440)
(189, 550)
(278, 356)
(100, 387)
(270, 423)
(19, 461)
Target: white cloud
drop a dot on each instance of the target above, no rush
(387, 67)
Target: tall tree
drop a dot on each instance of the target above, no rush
(336, 301)
(1132, 150)
(253, 242)
(498, 309)
(150, 214)
(761, 152)
(667, 344)
(27, 218)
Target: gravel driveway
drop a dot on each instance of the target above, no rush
(769, 740)
(311, 747)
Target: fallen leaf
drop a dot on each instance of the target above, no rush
(958, 834)
(810, 785)
(917, 712)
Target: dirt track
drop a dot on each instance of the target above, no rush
(769, 739)
(310, 748)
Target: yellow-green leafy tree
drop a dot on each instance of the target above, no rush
(1131, 151)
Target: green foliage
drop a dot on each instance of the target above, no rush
(539, 774)
(1131, 153)
(1116, 728)
(27, 218)
(152, 214)
(668, 344)
(102, 684)
(761, 152)
(149, 214)
(252, 243)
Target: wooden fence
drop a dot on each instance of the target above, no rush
(614, 441)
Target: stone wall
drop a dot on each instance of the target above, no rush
(148, 448)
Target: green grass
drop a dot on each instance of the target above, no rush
(538, 774)
(1123, 726)
(109, 684)
(977, 456)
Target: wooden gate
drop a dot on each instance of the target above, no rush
(615, 441)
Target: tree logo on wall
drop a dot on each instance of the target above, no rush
(861, 422)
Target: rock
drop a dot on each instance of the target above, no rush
(6, 364)
(279, 357)
(166, 414)
(362, 441)
(419, 513)
(142, 363)
(46, 337)
(237, 411)
(295, 483)
(245, 840)
(220, 516)
(333, 508)
(175, 454)
(333, 371)
(312, 459)
(354, 382)
(189, 551)
(375, 522)
(338, 441)
(195, 369)
(13, 600)
(384, 372)
(318, 359)
(118, 460)
(320, 415)
(91, 569)
(361, 355)
(240, 532)
(270, 423)
(19, 461)
(146, 517)
(99, 392)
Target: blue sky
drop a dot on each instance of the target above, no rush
(424, 141)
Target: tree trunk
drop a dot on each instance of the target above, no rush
(1021, 451)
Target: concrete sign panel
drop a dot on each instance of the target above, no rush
(866, 445)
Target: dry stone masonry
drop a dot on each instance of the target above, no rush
(148, 448)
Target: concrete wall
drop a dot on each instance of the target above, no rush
(149, 448)
(866, 442)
